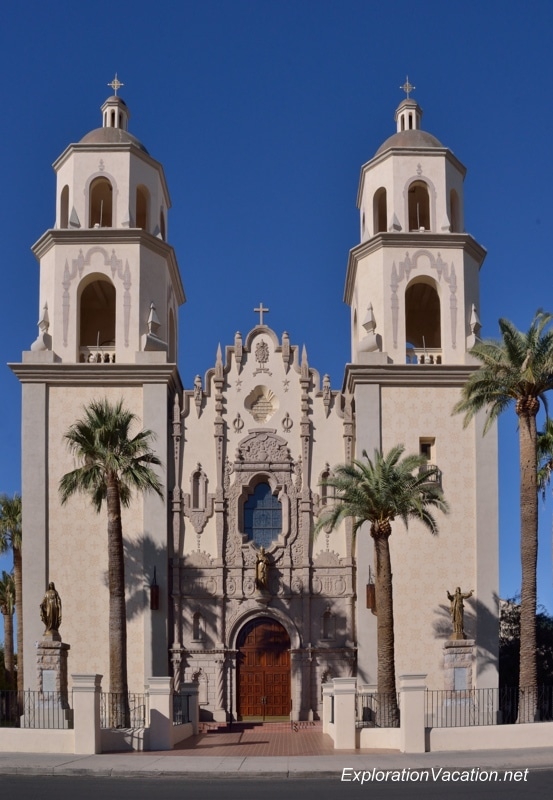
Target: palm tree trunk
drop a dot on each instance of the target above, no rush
(386, 676)
(119, 706)
(8, 649)
(527, 410)
(18, 580)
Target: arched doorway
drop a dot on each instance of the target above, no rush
(263, 679)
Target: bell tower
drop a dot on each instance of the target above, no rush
(110, 290)
(412, 284)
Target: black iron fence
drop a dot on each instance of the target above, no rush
(505, 706)
(181, 709)
(377, 710)
(120, 710)
(34, 709)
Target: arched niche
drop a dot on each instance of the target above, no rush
(423, 316)
(142, 207)
(100, 203)
(64, 207)
(418, 206)
(97, 298)
(380, 211)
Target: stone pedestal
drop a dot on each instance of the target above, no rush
(48, 707)
(458, 661)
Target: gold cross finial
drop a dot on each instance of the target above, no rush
(407, 87)
(116, 84)
(261, 311)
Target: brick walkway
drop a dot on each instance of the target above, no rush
(252, 739)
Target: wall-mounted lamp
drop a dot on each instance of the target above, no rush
(371, 594)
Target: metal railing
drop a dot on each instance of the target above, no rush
(181, 709)
(34, 709)
(377, 710)
(505, 706)
(118, 710)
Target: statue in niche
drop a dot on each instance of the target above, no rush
(50, 611)
(457, 611)
(262, 570)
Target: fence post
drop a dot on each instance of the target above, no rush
(161, 713)
(86, 713)
(192, 689)
(344, 713)
(412, 732)
(328, 691)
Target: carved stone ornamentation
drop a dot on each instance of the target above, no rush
(263, 446)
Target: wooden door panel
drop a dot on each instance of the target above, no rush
(263, 670)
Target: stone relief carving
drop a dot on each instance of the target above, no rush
(263, 446)
(327, 559)
(261, 403)
(403, 271)
(198, 394)
(262, 357)
(238, 423)
(287, 423)
(198, 559)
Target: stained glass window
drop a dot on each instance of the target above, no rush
(262, 516)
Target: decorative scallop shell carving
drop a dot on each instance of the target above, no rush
(262, 403)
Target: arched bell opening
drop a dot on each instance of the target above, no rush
(97, 321)
(418, 206)
(64, 207)
(454, 216)
(142, 207)
(380, 211)
(101, 204)
(423, 323)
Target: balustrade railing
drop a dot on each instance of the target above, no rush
(377, 710)
(118, 710)
(34, 709)
(426, 355)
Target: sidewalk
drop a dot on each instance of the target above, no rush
(158, 764)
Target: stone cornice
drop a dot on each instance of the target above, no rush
(406, 375)
(60, 374)
(111, 236)
(410, 241)
(115, 147)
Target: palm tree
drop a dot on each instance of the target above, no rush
(10, 538)
(518, 369)
(113, 464)
(7, 607)
(379, 491)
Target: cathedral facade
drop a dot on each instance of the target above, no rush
(226, 584)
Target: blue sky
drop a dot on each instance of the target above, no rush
(262, 114)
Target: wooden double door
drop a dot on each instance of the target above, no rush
(263, 680)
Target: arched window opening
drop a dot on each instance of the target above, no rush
(402, 122)
(454, 211)
(262, 516)
(327, 492)
(419, 206)
(380, 211)
(162, 225)
(142, 203)
(422, 324)
(101, 203)
(97, 322)
(199, 489)
(64, 207)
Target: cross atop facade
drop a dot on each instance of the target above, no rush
(407, 87)
(116, 84)
(260, 311)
